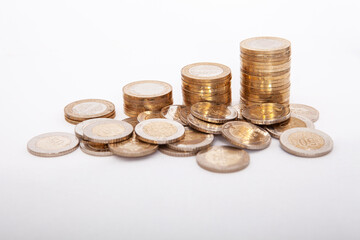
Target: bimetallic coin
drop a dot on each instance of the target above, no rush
(203, 126)
(109, 131)
(192, 141)
(266, 113)
(223, 159)
(159, 131)
(147, 89)
(88, 108)
(174, 153)
(173, 112)
(293, 122)
(132, 120)
(305, 111)
(91, 150)
(148, 115)
(246, 135)
(213, 112)
(53, 144)
(79, 128)
(306, 142)
(265, 45)
(205, 72)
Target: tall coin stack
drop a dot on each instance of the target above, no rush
(147, 95)
(206, 82)
(265, 79)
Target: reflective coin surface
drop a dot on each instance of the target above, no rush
(89, 108)
(192, 141)
(238, 108)
(79, 128)
(132, 120)
(203, 126)
(174, 153)
(173, 112)
(87, 148)
(184, 112)
(305, 111)
(148, 115)
(147, 89)
(266, 113)
(213, 112)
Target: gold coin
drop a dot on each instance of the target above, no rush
(246, 135)
(293, 122)
(223, 159)
(88, 108)
(266, 113)
(174, 153)
(305, 111)
(79, 128)
(148, 115)
(53, 144)
(159, 131)
(112, 116)
(208, 84)
(207, 92)
(203, 126)
(184, 112)
(109, 131)
(213, 112)
(306, 142)
(147, 89)
(265, 45)
(173, 112)
(193, 141)
(246, 76)
(205, 71)
(91, 150)
(132, 120)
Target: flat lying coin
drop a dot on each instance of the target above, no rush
(88, 108)
(203, 126)
(53, 144)
(109, 131)
(305, 111)
(132, 148)
(79, 128)
(246, 135)
(149, 115)
(306, 142)
(192, 141)
(159, 131)
(91, 150)
(171, 152)
(132, 120)
(173, 112)
(223, 159)
(213, 112)
(266, 113)
(293, 122)
(184, 112)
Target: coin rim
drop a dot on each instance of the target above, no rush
(194, 147)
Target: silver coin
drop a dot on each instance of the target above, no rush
(305, 111)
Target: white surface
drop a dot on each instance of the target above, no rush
(55, 52)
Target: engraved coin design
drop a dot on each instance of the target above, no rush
(173, 112)
(90, 149)
(213, 112)
(88, 108)
(305, 111)
(147, 88)
(206, 70)
(223, 159)
(148, 115)
(203, 126)
(192, 141)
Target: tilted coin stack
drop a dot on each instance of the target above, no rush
(206, 82)
(265, 78)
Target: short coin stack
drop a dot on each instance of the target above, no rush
(147, 95)
(206, 82)
(265, 79)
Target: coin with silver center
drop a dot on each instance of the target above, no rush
(306, 142)
(174, 153)
(305, 111)
(53, 144)
(173, 112)
(213, 112)
(88, 108)
(148, 115)
(79, 128)
(192, 141)
(94, 151)
(223, 159)
(203, 126)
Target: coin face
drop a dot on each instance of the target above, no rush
(305, 111)
(293, 122)
(132, 148)
(246, 135)
(266, 113)
(147, 89)
(204, 71)
(174, 153)
(53, 144)
(95, 151)
(213, 112)
(223, 159)
(173, 112)
(202, 126)
(265, 44)
(306, 142)
(132, 120)
(148, 115)
(79, 128)
(159, 131)
(89, 108)
(109, 131)
(192, 141)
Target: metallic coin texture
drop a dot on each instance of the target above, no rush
(159, 131)
(88, 108)
(132, 120)
(99, 152)
(184, 112)
(203, 126)
(192, 141)
(238, 108)
(174, 153)
(246, 135)
(305, 111)
(173, 112)
(223, 159)
(266, 113)
(213, 112)
(109, 131)
(148, 115)
(112, 116)
(53, 144)
(79, 128)
(306, 142)
(147, 89)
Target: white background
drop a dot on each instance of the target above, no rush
(56, 52)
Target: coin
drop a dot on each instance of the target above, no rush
(147, 89)
(91, 150)
(246, 135)
(159, 131)
(213, 112)
(77, 122)
(184, 112)
(148, 115)
(265, 45)
(174, 153)
(294, 121)
(266, 113)
(132, 120)
(88, 108)
(205, 71)
(173, 112)
(192, 141)
(108, 131)
(79, 128)
(53, 144)
(305, 111)
(306, 142)
(223, 159)
(203, 126)
(238, 108)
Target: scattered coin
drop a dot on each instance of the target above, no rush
(294, 121)
(148, 115)
(109, 131)
(174, 153)
(94, 151)
(173, 112)
(87, 109)
(79, 128)
(203, 126)
(306, 142)
(159, 131)
(266, 113)
(132, 120)
(305, 111)
(213, 112)
(246, 135)
(223, 159)
(53, 144)
(192, 141)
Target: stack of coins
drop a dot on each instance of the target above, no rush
(265, 78)
(206, 82)
(148, 95)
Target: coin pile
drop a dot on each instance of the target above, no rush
(147, 95)
(206, 82)
(265, 79)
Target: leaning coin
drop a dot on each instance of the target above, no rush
(91, 150)
(305, 111)
(79, 128)
(173, 112)
(108, 131)
(53, 144)
(159, 131)
(88, 108)
(192, 141)
(148, 115)
(306, 142)
(184, 112)
(238, 108)
(294, 121)
(132, 120)
(203, 126)
(174, 153)
(223, 159)
(246, 135)
(213, 112)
